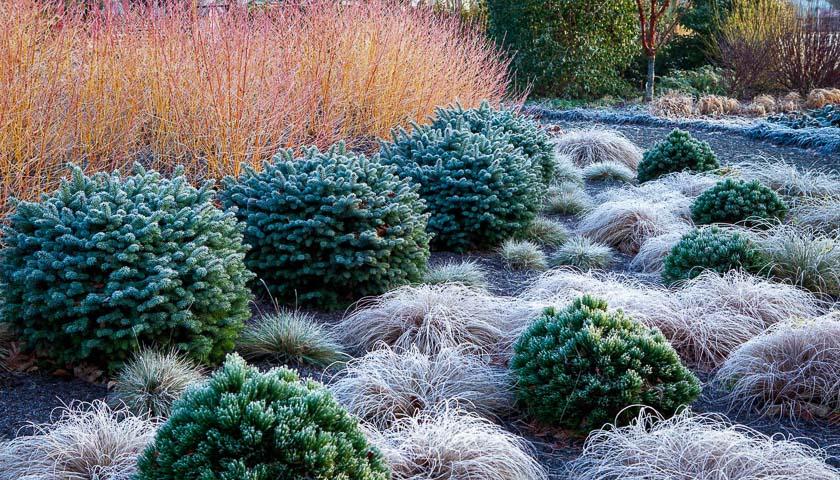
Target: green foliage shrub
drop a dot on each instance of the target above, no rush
(478, 189)
(329, 227)
(706, 80)
(107, 263)
(573, 48)
(580, 367)
(521, 132)
(709, 248)
(678, 152)
(243, 424)
(733, 201)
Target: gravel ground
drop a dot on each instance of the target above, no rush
(32, 398)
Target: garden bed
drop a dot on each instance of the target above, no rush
(31, 397)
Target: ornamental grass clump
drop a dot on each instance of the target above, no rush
(546, 231)
(328, 228)
(523, 255)
(242, 423)
(585, 366)
(109, 262)
(710, 248)
(85, 441)
(468, 273)
(696, 447)
(679, 151)
(737, 201)
(584, 254)
(520, 131)
(290, 337)
(586, 147)
(790, 370)
(386, 385)
(479, 189)
(153, 380)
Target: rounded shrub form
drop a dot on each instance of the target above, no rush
(478, 188)
(709, 248)
(330, 227)
(584, 366)
(109, 262)
(244, 424)
(678, 152)
(522, 132)
(733, 201)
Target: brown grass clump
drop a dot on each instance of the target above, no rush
(385, 385)
(695, 447)
(673, 105)
(754, 110)
(787, 179)
(820, 213)
(87, 441)
(766, 101)
(791, 102)
(716, 105)
(626, 224)
(596, 145)
(653, 251)
(820, 97)
(216, 90)
(432, 318)
(790, 370)
(450, 444)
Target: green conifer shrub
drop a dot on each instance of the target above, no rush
(109, 262)
(478, 189)
(583, 366)
(243, 424)
(329, 227)
(733, 201)
(522, 132)
(709, 248)
(680, 151)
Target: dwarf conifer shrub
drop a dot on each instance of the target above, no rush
(478, 189)
(109, 262)
(522, 132)
(582, 366)
(733, 201)
(709, 248)
(244, 424)
(680, 151)
(329, 227)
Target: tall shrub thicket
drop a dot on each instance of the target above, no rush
(567, 47)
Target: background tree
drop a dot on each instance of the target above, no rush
(658, 20)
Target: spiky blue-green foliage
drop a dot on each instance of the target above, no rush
(581, 367)
(522, 132)
(733, 201)
(478, 188)
(329, 227)
(709, 248)
(109, 262)
(678, 152)
(245, 425)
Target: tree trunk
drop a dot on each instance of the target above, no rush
(651, 77)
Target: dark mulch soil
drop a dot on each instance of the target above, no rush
(31, 398)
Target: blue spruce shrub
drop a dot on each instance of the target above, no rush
(583, 366)
(109, 262)
(710, 248)
(242, 424)
(329, 227)
(521, 132)
(733, 201)
(680, 151)
(478, 188)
